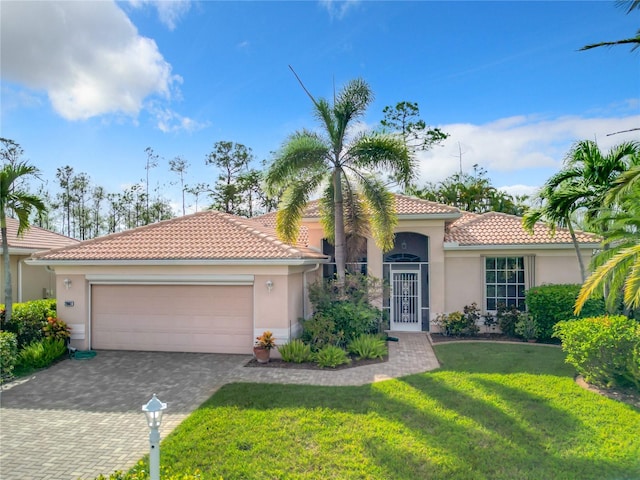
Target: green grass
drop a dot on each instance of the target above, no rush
(493, 411)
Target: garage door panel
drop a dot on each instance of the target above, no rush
(181, 318)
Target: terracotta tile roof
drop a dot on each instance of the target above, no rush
(405, 205)
(495, 228)
(206, 235)
(35, 238)
(269, 220)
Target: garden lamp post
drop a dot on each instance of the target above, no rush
(153, 411)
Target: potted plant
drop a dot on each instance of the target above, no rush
(262, 348)
(526, 327)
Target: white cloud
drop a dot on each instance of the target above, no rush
(338, 8)
(170, 121)
(511, 146)
(169, 11)
(87, 56)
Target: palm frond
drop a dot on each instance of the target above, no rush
(304, 153)
(381, 206)
(292, 205)
(614, 272)
(626, 183)
(375, 152)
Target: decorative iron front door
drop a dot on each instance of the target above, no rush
(405, 301)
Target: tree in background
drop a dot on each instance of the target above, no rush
(65, 180)
(341, 165)
(472, 193)
(14, 200)
(233, 160)
(179, 165)
(404, 119)
(152, 162)
(196, 190)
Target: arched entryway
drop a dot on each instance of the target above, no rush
(406, 271)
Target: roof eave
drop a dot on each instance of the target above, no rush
(26, 250)
(148, 263)
(450, 246)
(430, 216)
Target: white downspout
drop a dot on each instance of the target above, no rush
(20, 280)
(304, 290)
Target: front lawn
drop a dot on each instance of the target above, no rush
(493, 411)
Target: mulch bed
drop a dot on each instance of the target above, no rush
(628, 396)
(279, 363)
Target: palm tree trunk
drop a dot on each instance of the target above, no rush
(8, 293)
(339, 227)
(577, 247)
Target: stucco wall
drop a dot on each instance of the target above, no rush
(465, 272)
(560, 266)
(27, 282)
(463, 282)
(277, 309)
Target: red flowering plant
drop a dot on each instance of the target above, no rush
(56, 329)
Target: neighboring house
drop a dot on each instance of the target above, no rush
(212, 282)
(30, 282)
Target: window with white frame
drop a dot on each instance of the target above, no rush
(504, 282)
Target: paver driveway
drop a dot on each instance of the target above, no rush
(81, 418)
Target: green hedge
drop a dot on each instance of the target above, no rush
(550, 304)
(8, 355)
(28, 320)
(605, 350)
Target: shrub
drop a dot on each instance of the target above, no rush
(550, 304)
(42, 353)
(319, 331)
(368, 346)
(353, 319)
(458, 323)
(56, 329)
(295, 351)
(331, 356)
(526, 327)
(507, 319)
(8, 354)
(605, 350)
(141, 472)
(349, 309)
(28, 320)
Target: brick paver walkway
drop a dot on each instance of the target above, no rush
(81, 418)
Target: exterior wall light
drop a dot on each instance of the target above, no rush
(269, 285)
(67, 283)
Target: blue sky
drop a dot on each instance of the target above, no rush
(92, 84)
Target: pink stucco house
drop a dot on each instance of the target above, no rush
(212, 282)
(31, 282)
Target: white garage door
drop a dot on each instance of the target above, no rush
(172, 318)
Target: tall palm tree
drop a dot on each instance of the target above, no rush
(343, 164)
(582, 185)
(618, 267)
(15, 200)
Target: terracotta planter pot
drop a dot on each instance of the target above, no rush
(262, 354)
